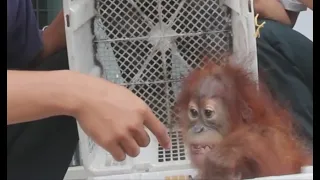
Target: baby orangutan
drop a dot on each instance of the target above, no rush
(234, 130)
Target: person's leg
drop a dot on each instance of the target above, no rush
(286, 61)
(42, 150)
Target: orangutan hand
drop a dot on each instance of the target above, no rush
(221, 164)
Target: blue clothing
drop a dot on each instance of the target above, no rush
(38, 150)
(24, 41)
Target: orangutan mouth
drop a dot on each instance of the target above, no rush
(200, 149)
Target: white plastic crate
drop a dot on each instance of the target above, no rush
(79, 174)
(185, 174)
(148, 46)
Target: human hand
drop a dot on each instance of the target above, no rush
(271, 9)
(114, 117)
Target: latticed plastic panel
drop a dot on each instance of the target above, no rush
(177, 151)
(149, 45)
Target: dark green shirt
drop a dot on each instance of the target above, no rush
(285, 56)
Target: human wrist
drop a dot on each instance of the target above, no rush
(76, 91)
(68, 98)
(44, 28)
(79, 90)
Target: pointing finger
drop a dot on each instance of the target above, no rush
(157, 128)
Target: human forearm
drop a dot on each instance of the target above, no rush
(278, 14)
(272, 9)
(54, 38)
(293, 17)
(34, 95)
(308, 3)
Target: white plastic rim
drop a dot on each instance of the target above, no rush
(185, 174)
(79, 173)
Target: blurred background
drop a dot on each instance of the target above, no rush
(305, 24)
(46, 10)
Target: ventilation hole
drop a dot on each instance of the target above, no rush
(177, 151)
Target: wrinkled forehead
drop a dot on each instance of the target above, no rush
(210, 87)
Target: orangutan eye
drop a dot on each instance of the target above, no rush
(193, 113)
(208, 113)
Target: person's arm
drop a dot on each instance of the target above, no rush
(308, 3)
(54, 38)
(293, 17)
(34, 95)
(272, 9)
(293, 9)
(100, 107)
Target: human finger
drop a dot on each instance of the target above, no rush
(141, 137)
(130, 146)
(116, 151)
(157, 128)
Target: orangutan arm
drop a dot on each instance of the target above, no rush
(252, 152)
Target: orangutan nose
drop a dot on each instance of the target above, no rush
(198, 129)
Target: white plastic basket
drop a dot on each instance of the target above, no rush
(184, 175)
(307, 174)
(185, 28)
(78, 173)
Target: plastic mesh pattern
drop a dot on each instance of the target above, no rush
(177, 151)
(148, 46)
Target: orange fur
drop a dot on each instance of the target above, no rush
(264, 144)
